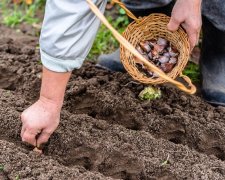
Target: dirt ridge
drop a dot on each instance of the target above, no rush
(106, 132)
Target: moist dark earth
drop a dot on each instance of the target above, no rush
(105, 132)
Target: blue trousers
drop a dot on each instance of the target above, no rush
(214, 10)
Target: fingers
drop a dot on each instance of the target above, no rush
(198, 35)
(192, 30)
(174, 24)
(193, 38)
(22, 131)
(39, 121)
(29, 136)
(193, 34)
(43, 138)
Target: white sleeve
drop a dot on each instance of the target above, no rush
(68, 32)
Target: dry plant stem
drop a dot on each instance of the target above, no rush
(131, 82)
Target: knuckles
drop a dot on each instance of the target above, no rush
(26, 138)
(176, 19)
(24, 116)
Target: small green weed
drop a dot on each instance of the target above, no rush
(40, 62)
(1, 167)
(105, 41)
(192, 71)
(14, 14)
(17, 177)
(166, 162)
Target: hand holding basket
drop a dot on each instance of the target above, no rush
(145, 28)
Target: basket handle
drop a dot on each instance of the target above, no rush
(191, 89)
(128, 12)
(188, 81)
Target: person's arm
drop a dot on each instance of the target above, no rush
(187, 13)
(43, 116)
(68, 32)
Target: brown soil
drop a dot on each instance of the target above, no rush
(106, 132)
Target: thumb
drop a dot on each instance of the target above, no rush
(173, 25)
(43, 138)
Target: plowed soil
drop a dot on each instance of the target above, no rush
(105, 132)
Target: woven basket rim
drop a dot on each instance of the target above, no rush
(157, 23)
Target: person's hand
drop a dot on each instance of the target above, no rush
(187, 13)
(42, 118)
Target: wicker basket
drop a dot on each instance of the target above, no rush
(152, 26)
